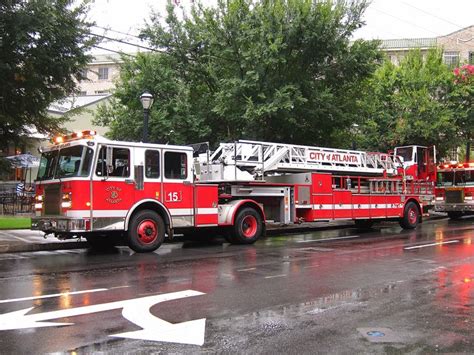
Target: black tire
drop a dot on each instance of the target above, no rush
(411, 216)
(363, 224)
(146, 231)
(455, 215)
(247, 227)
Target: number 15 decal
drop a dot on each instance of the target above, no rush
(173, 196)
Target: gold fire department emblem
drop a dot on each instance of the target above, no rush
(113, 192)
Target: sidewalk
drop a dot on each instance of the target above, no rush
(24, 240)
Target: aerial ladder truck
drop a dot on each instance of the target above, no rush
(92, 187)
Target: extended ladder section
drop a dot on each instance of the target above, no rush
(252, 160)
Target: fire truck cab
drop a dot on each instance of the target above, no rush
(92, 187)
(455, 189)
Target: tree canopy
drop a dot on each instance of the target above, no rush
(43, 47)
(277, 70)
(463, 102)
(410, 104)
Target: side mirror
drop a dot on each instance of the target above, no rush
(139, 178)
(109, 159)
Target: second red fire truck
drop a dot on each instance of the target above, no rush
(92, 187)
(455, 189)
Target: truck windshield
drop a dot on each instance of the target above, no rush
(405, 152)
(465, 177)
(67, 162)
(445, 178)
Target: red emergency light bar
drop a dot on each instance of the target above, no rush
(88, 134)
(456, 166)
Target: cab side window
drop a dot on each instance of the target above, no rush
(176, 165)
(152, 164)
(120, 163)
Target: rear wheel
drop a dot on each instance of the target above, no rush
(411, 216)
(455, 214)
(146, 231)
(247, 227)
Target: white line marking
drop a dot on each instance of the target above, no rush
(325, 239)
(432, 244)
(309, 267)
(272, 276)
(113, 288)
(53, 295)
(22, 239)
(249, 269)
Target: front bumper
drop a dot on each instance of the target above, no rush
(59, 224)
(448, 207)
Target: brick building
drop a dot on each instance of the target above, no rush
(458, 47)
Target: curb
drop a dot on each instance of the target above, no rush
(24, 248)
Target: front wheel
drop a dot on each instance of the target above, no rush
(411, 216)
(247, 228)
(146, 231)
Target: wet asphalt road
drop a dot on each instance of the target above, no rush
(383, 291)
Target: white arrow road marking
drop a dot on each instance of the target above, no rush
(154, 328)
(53, 295)
(136, 310)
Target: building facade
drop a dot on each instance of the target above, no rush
(458, 47)
(99, 77)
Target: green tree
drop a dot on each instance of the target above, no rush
(43, 46)
(278, 70)
(409, 104)
(463, 104)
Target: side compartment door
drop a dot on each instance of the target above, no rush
(178, 187)
(322, 196)
(205, 205)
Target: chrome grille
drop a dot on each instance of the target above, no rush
(454, 196)
(52, 199)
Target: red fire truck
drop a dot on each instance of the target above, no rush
(455, 189)
(92, 187)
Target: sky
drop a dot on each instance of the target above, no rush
(385, 19)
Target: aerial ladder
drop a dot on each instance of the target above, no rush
(247, 160)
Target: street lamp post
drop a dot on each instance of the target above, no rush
(147, 100)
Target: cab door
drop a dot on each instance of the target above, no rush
(151, 160)
(113, 187)
(178, 186)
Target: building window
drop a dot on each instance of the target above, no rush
(82, 93)
(451, 59)
(102, 92)
(103, 73)
(471, 57)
